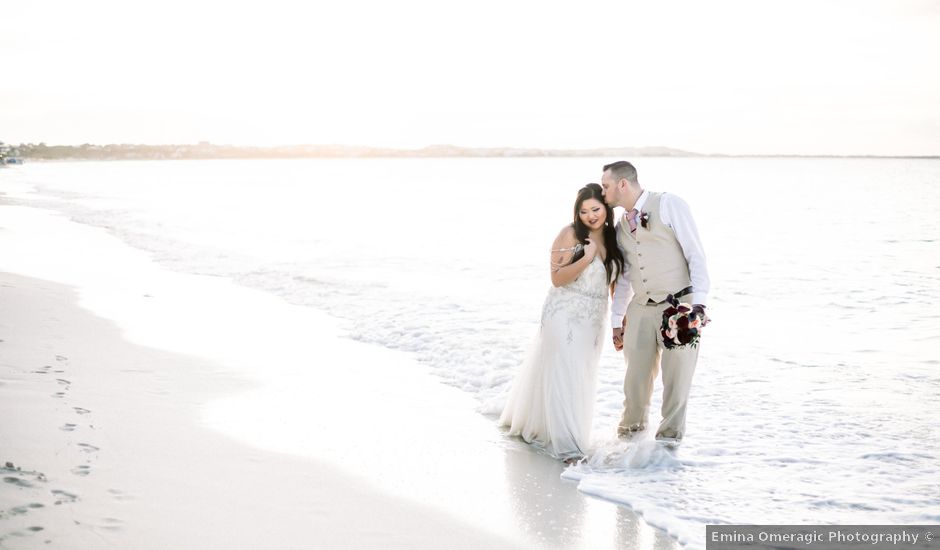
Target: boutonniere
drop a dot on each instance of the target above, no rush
(645, 220)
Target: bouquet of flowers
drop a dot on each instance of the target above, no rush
(682, 324)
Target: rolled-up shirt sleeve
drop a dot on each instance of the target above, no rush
(676, 214)
(623, 291)
(622, 294)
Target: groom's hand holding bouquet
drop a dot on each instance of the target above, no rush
(682, 323)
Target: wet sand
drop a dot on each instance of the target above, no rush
(106, 452)
(108, 448)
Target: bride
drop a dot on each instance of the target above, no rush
(552, 397)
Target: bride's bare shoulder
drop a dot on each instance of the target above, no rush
(566, 236)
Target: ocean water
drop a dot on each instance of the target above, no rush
(816, 394)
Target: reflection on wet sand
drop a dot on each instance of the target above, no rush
(560, 516)
(633, 532)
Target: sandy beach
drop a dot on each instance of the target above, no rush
(107, 445)
(106, 453)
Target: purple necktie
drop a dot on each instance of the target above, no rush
(631, 219)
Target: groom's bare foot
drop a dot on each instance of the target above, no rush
(626, 434)
(669, 442)
(573, 460)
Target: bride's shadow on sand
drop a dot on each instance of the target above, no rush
(563, 517)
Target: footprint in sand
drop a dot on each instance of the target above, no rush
(20, 510)
(85, 447)
(61, 358)
(119, 495)
(32, 529)
(82, 470)
(19, 482)
(63, 497)
(44, 370)
(112, 524)
(19, 478)
(69, 427)
(59, 394)
(63, 381)
(80, 410)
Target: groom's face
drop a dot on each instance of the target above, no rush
(611, 189)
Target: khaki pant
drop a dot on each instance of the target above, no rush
(644, 353)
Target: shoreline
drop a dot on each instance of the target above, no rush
(105, 449)
(189, 409)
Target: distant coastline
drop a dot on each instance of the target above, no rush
(205, 150)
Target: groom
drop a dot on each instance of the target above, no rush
(663, 255)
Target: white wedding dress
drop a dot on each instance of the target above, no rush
(552, 397)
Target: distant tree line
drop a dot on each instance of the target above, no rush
(205, 150)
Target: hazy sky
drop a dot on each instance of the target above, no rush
(775, 76)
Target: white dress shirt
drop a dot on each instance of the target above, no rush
(675, 214)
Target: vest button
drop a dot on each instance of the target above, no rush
(641, 268)
(644, 280)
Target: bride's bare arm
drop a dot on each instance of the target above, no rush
(563, 271)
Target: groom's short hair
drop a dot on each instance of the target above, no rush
(622, 169)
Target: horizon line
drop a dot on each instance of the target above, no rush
(646, 150)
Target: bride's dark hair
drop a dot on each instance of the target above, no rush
(614, 262)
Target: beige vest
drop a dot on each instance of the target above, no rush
(655, 259)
